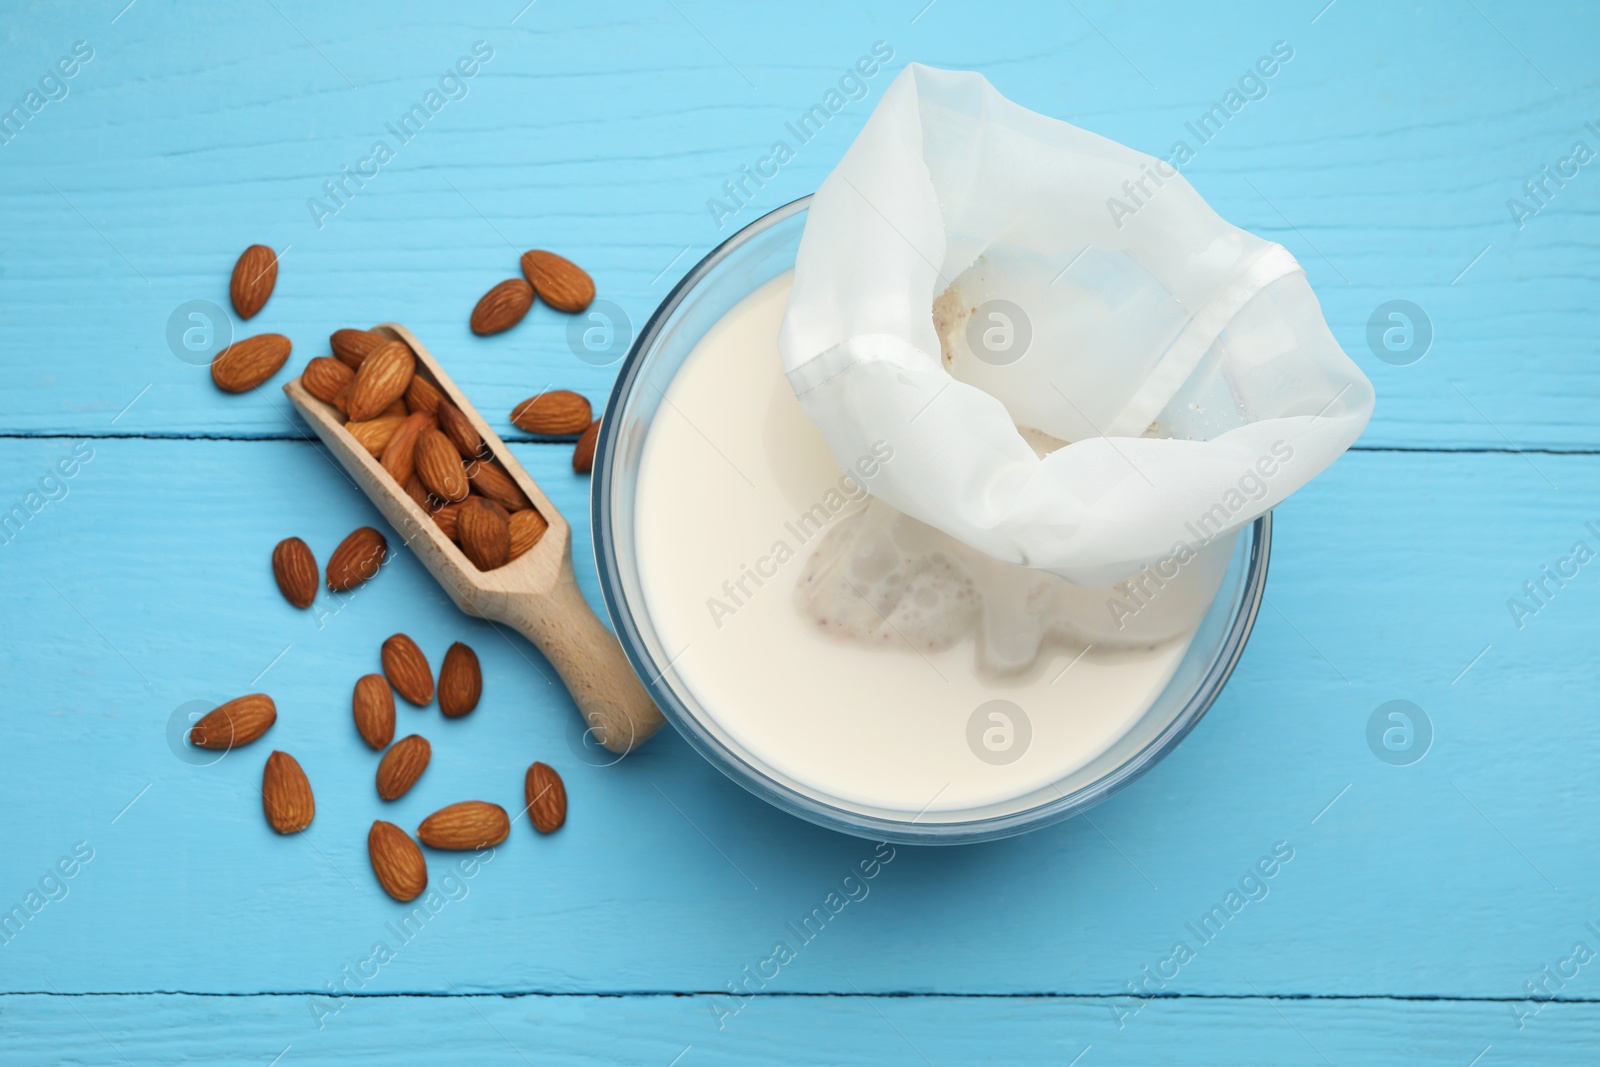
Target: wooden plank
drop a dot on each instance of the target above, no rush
(1386, 170)
(658, 1031)
(147, 586)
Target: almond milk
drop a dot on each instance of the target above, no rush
(736, 492)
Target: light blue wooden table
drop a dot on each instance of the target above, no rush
(1440, 911)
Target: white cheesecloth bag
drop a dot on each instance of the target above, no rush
(1170, 349)
(1078, 366)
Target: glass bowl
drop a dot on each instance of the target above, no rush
(756, 254)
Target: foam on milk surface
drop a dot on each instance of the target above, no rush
(736, 492)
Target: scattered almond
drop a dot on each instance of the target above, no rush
(497, 485)
(439, 466)
(245, 364)
(325, 378)
(373, 434)
(583, 455)
(468, 825)
(484, 532)
(372, 704)
(402, 765)
(546, 795)
(559, 282)
(286, 794)
(460, 681)
(527, 527)
(407, 669)
(295, 568)
(354, 346)
(502, 307)
(381, 379)
(396, 861)
(422, 395)
(254, 275)
(454, 425)
(554, 414)
(400, 452)
(238, 722)
(357, 558)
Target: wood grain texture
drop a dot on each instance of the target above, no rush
(847, 1031)
(1383, 156)
(1390, 575)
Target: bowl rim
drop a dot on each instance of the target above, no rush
(710, 747)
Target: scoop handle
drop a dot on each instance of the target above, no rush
(590, 661)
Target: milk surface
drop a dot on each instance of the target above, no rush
(736, 491)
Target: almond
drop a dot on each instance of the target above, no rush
(357, 558)
(554, 414)
(400, 451)
(583, 455)
(445, 518)
(407, 669)
(296, 570)
(254, 275)
(402, 765)
(439, 467)
(354, 346)
(396, 861)
(559, 282)
(396, 408)
(416, 492)
(381, 379)
(422, 395)
(286, 794)
(502, 307)
(484, 533)
(460, 681)
(497, 485)
(454, 425)
(467, 825)
(546, 795)
(374, 434)
(325, 378)
(372, 703)
(238, 722)
(526, 528)
(245, 364)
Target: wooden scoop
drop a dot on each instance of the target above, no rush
(535, 594)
